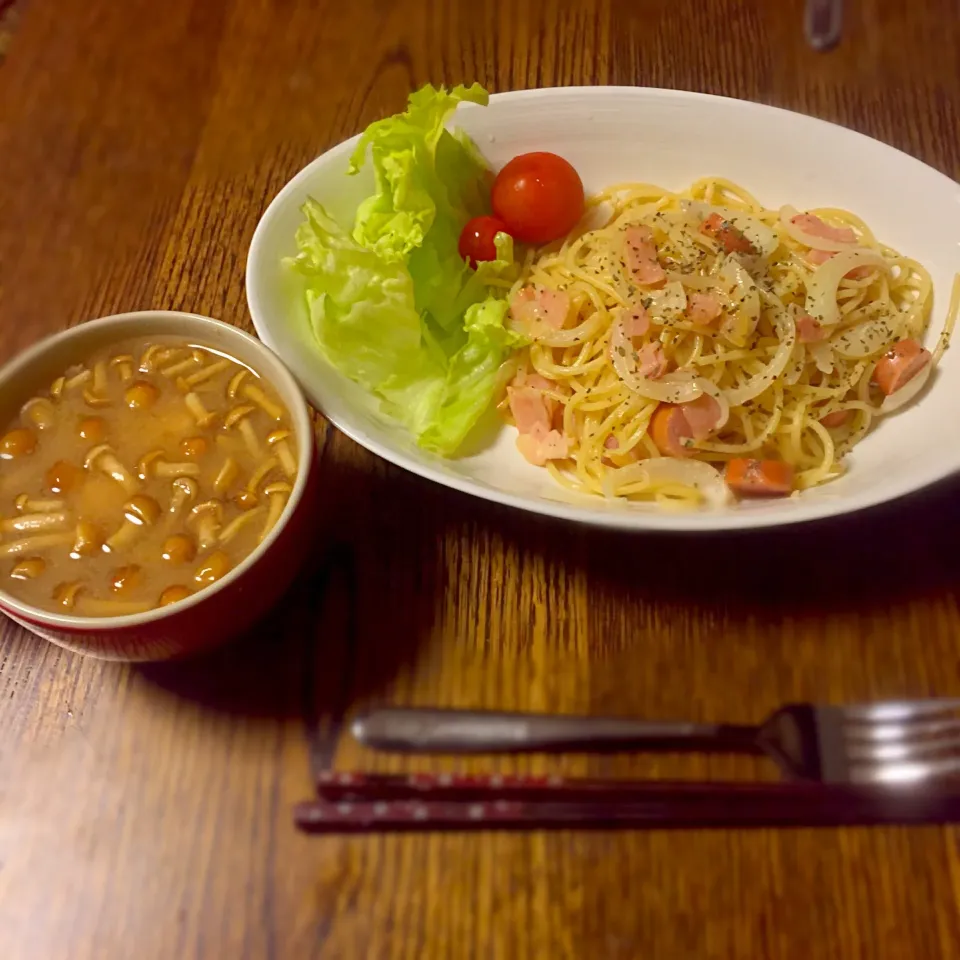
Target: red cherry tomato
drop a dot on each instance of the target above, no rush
(477, 239)
(539, 196)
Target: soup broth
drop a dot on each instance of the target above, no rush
(139, 477)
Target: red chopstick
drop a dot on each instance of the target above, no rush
(364, 803)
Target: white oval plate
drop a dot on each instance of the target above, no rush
(668, 137)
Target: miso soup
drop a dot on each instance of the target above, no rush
(142, 475)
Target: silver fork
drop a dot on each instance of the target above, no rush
(886, 742)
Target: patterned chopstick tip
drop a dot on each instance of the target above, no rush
(411, 810)
(426, 781)
(332, 776)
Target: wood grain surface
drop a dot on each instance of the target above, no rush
(146, 812)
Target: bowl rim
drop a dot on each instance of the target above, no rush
(300, 420)
(724, 520)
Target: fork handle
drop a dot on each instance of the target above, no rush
(414, 730)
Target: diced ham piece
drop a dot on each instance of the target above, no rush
(523, 305)
(651, 361)
(642, 257)
(726, 234)
(529, 408)
(533, 412)
(635, 320)
(703, 308)
(554, 446)
(532, 306)
(900, 364)
(836, 419)
(554, 306)
(819, 257)
(613, 445)
(534, 380)
(812, 224)
(809, 330)
(541, 445)
(702, 415)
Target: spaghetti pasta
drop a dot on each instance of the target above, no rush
(767, 330)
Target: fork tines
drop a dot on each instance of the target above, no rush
(891, 742)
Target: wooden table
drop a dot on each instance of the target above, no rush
(145, 811)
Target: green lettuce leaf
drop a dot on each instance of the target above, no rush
(471, 376)
(428, 179)
(393, 306)
(430, 182)
(361, 306)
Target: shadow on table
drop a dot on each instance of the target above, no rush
(355, 616)
(259, 674)
(367, 603)
(906, 549)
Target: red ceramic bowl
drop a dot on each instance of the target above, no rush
(231, 604)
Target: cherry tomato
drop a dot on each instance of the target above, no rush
(539, 196)
(477, 239)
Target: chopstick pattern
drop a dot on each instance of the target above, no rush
(364, 803)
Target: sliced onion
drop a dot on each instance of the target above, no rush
(641, 213)
(510, 369)
(671, 220)
(824, 281)
(680, 375)
(795, 365)
(787, 331)
(865, 339)
(670, 389)
(705, 479)
(822, 354)
(668, 303)
(808, 239)
(763, 237)
(681, 229)
(692, 281)
(733, 272)
(739, 286)
(908, 391)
